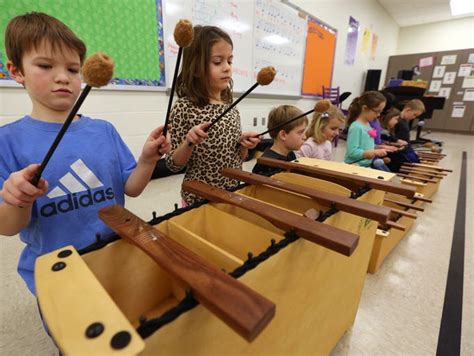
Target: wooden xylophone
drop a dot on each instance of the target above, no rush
(405, 202)
(299, 244)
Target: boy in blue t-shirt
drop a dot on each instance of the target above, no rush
(90, 169)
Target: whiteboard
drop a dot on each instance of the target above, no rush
(264, 32)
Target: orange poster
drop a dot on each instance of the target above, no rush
(319, 57)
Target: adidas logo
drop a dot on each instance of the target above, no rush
(79, 190)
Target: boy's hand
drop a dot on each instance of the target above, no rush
(197, 135)
(402, 142)
(380, 152)
(156, 145)
(250, 139)
(17, 189)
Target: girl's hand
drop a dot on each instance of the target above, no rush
(156, 145)
(17, 190)
(402, 142)
(380, 153)
(250, 139)
(388, 148)
(197, 135)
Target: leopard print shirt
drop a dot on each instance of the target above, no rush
(221, 149)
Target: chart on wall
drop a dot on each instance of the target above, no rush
(131, 32)
(264, 33)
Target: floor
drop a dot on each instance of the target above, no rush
(401, 305)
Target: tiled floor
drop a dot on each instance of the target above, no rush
(400, 309)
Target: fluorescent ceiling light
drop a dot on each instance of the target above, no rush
(461, 7)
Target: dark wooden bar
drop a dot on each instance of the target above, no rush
(347, 180)
(241, 308)
(325, 235)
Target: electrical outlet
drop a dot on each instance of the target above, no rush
(255, 121)
(263, 121)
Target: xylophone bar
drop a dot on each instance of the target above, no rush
(428, 166)
(404, 213)
(349, 181)
(330, 237)
(423, 199)
(417, 177)
(432, 154)
(396, 226)
(370, 211)
(422, 172)
(241, 308)
(405, 205)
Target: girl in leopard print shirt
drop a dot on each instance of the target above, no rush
(204, 88)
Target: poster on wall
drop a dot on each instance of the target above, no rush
(449, 77)
(435, 86)
(351, 42)
(471, 58)
(438, 71)
(468, 95)
(373, 51)
(464, 70)
(365, 41)
(468, 82)
(458, 111)
(445, 92)
(426, 62)
(451, 59)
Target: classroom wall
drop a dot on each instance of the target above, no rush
(438, 36)
(370, 14)
(135, 113)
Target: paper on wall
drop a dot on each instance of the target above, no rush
(464, 70)
(435, 86)
(444, 92)
(468, 82)
(438, 71)
(426, 62)
(449, 77)
(458, 111)
(471, 58)
(468, 95)
(451, 59)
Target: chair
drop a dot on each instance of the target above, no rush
(332, 94)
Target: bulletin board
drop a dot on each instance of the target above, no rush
(138, 35)
(449, 74)
(131, 32)
(264, 33)
(319, 57)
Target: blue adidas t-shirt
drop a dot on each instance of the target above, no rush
(87, 172)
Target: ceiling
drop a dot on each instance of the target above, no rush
(417, 12)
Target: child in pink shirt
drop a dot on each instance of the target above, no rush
(327, 120)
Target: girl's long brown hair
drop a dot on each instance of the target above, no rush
(192, 80)
(371, 99)
(387, 117)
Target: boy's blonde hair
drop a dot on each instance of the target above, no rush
(280, 115)
(415, 105)
(324, 112)
(28, 31)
